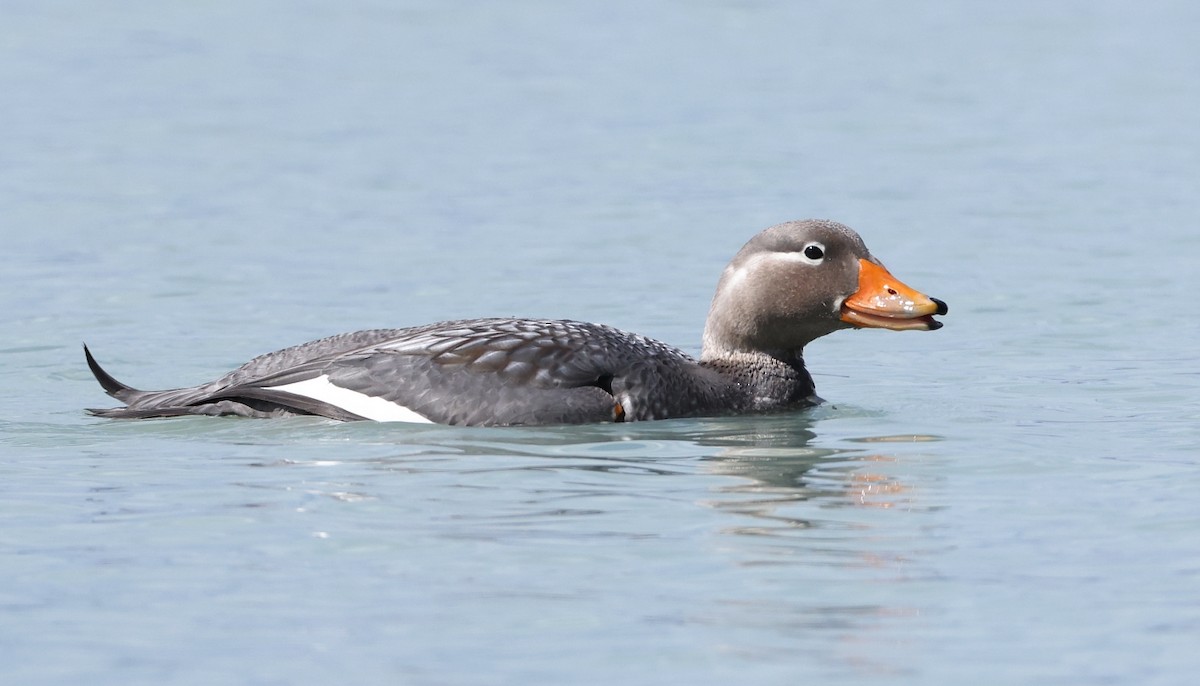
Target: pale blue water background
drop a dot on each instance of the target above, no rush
(1010, 500)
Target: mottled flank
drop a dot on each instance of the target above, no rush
(482, 372)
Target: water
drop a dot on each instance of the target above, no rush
(1009, 500)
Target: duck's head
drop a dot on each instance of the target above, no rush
(798, 281)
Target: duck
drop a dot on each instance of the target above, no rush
(789, 285)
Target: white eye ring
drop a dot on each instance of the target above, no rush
(813, 252)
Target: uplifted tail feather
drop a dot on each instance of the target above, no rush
(111, 386)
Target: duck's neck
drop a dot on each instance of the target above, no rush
(769, 380)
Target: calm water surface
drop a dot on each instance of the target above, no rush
(1010, 500)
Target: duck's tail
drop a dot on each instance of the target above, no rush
(181, 402)
(126, 394)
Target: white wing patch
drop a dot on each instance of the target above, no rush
(361, 404)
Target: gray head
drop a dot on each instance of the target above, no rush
(801, 280)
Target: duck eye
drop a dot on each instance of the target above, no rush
(813, 251)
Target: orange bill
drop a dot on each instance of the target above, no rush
(884, 302)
